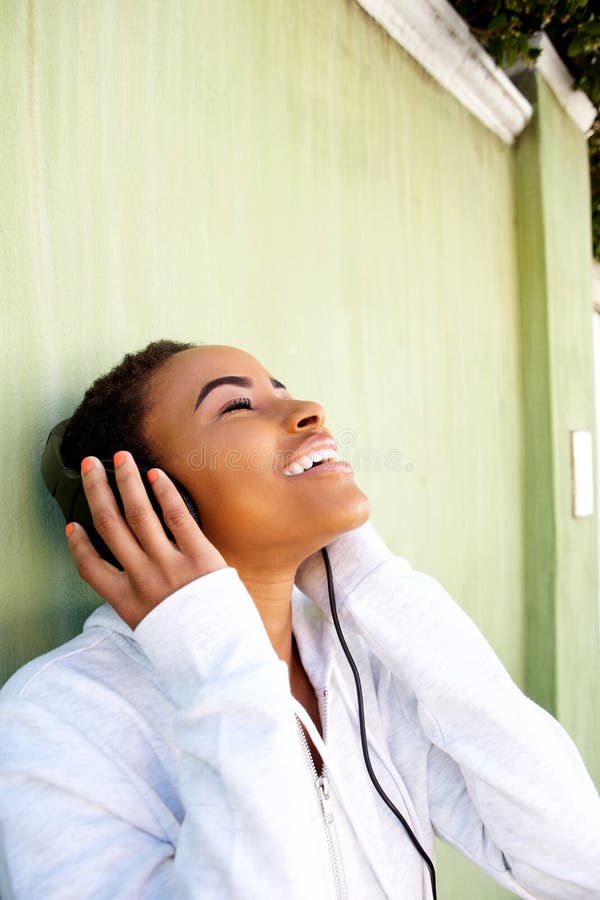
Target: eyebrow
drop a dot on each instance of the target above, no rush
(239, 380)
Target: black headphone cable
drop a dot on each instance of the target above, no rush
(363, 730)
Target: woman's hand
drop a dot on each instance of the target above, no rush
(154, 567)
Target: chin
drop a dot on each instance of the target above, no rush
(361, 513)
(353, 515)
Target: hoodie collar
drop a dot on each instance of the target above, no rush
(312, 630)
(107, 617)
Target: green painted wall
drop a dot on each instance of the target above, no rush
(553, 202)
(282, 177)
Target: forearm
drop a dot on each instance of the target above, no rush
(85, 800)
(524, 776)
(250, 814)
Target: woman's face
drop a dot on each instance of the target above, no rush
(232, 460)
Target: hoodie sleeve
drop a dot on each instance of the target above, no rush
(507, 786)
(70, 815)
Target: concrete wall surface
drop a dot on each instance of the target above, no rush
(283, 178)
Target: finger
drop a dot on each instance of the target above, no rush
(140, 515)
(178, 519)
(106, 515)
(101, 575)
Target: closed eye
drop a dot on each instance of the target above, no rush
(241, 403)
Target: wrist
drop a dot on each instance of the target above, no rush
(210, 628)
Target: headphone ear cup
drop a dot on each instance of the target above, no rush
(66, 486)
(62, 482)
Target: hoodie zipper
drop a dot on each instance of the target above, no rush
(321, 783)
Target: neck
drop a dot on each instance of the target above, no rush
(272, 597)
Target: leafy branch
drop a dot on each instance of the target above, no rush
(573, 26)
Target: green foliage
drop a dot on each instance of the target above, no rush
(573, 26)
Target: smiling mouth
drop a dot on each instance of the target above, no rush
(326, 466)
(311, 460)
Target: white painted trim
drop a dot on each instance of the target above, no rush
(436, 36)
(558, 78)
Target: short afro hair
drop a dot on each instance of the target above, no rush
(111, 415)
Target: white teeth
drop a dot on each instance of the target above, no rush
(306, 462)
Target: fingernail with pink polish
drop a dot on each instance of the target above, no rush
(87, 464)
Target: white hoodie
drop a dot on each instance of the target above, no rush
(168, 762)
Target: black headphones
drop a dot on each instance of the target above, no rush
(66, 486)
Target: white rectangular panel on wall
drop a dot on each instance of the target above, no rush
(582, 473)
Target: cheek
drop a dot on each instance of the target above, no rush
(238, 485)
(220, 485)
(242, 477)
(239, 447)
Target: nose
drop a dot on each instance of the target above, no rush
(305, 414)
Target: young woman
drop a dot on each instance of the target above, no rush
(200, 738)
